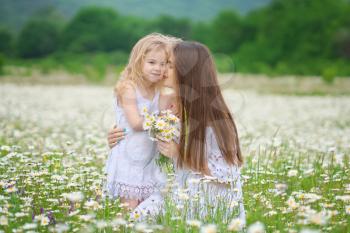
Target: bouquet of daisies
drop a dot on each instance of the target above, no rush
(162, 126)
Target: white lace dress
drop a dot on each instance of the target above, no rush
(131, 169)
(198, 197)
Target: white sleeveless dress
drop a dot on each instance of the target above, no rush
(131, 168)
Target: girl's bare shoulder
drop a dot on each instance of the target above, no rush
(126, 87)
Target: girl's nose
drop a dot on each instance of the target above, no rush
(158, 67)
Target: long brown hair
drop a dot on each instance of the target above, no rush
(203, 106)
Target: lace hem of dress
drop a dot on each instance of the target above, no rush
(119, 189)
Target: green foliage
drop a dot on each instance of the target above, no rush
(227, 32)
(341, 43)
(38, 39)
(224, 63)
(92, 65)
(201, 32)
(96, 29)
(172, 26)
(329, 74)
(286, 37)
(6, 41)
(2, 63)
(290, 34)
(51, 14)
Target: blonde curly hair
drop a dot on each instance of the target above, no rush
(132, 73)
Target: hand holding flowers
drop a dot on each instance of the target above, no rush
(164, 128)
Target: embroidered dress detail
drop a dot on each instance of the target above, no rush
(132, 191)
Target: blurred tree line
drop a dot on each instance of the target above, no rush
(309, 37)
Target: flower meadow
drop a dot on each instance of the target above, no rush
(53, 150)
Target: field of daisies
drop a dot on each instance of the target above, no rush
(53, 149)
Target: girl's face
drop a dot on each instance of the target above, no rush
(170, 76)
(170, 84)
(154, 65)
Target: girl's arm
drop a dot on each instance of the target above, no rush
(129, 104)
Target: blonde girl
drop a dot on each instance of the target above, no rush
(132, 174)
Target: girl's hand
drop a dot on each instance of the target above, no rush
(115, 135)
(168, 149)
